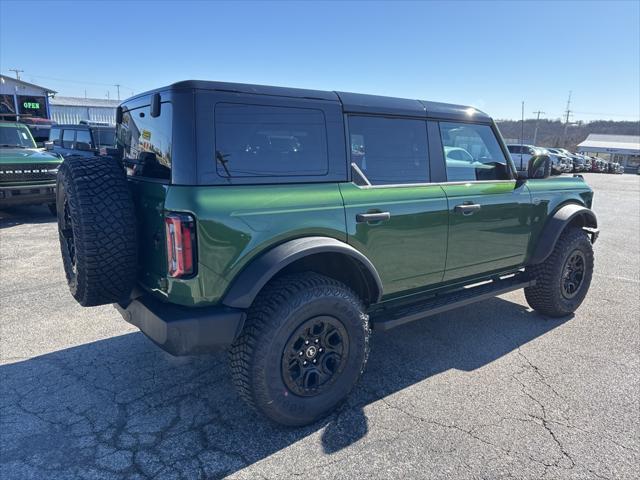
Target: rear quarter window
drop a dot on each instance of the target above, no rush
(266, 141)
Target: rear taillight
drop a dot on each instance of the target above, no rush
(181, 244)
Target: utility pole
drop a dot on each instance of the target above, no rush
(522, 126)
(18, 72)
(117, 85)
(566, 120)
(535, 132)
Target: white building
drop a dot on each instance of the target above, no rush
(18, 97)
(624, 149)
(74, 109)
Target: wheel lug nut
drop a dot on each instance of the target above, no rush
(317, 340)
(300, 353)
(304, 363)
(306, 342)
(315, 361)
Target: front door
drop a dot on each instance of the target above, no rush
(399, 221)
(489, 214)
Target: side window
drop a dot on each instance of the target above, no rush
(259, 141)
(68, 137)
(83, 136)
(146, 141)
(54, 136)
(472, 152)
(390, 150)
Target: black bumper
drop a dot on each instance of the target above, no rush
(27, 195)
(184, 330)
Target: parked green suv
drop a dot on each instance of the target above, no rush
(27, 173)
(288, 224)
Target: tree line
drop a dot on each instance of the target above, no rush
(551, 132)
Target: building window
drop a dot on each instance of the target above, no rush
(7, 104)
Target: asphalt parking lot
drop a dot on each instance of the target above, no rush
(489, 391)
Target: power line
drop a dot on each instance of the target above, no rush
(81, 82)
(18, 72)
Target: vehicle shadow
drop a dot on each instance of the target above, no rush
(121, 408)
(13, 216)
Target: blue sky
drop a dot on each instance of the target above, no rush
(491, 55)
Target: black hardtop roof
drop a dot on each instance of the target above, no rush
(351, 102)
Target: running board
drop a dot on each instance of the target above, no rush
(387, 319)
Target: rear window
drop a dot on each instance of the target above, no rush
(263, 141)
(146, 142)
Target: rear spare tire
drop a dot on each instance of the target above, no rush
(97, 230)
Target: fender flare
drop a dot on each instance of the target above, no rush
(248, 283)
(556, 224)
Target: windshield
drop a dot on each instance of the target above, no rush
(14, 135)
(104, 137)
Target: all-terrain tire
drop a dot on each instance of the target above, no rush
(547, 295)
(97, 230)
(282, 310)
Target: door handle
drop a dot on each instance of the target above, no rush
(467, 208)
(372, 217)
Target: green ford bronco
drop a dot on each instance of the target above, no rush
(287, 224)
(27, 173)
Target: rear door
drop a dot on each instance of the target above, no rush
(489, 213)
(399, 221)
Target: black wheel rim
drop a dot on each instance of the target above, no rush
(573, 274)
(315, 356)
(67, 235)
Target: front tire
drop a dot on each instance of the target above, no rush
(302, 350)
(563, 279)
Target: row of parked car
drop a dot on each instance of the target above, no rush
(562, 160)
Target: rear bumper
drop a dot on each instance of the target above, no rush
(182, 330)
(27, 195)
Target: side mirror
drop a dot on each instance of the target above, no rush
(539, 167)
(48, 146)
(155, 105)
(83, 146)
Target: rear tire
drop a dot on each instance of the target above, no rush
(563, 279)
(97, 230)
(302, 350)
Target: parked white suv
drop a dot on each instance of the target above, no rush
(521, 154)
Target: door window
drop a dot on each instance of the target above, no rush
(68, 137)
(472, 152)
(390, 150)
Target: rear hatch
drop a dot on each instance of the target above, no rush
(145, 143)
